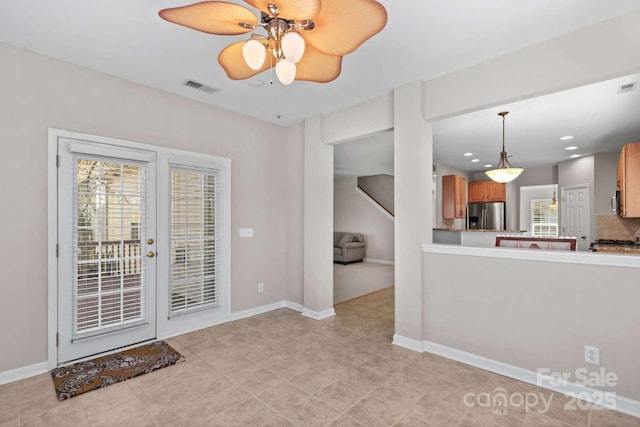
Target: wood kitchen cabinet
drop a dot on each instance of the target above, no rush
(487, 191)
(629, 180)
(454, 197)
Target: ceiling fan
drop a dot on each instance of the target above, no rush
(304, 40)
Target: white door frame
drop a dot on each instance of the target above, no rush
(224, 164)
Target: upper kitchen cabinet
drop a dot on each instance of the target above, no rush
(454, 197)
(487, 191)
(629, 180)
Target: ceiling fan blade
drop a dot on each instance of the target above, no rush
(290, 9)
(234, 65)
(214, 17)
(319, 67)
(342, 26)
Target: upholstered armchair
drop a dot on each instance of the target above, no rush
(348, 247)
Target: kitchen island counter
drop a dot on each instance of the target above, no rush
(480, 230)
(471, 237)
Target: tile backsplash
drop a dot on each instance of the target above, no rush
(615, 227)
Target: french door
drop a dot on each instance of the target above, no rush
(107, 248)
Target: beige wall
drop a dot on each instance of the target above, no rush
(536, 314)
(353, 213)
(295, 219)
(413, 166)
(39, 92)
(318, 219)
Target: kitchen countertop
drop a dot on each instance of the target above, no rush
(618, 249)
(476, 230)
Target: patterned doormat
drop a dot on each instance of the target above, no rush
(81, 377)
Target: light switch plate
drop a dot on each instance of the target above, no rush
(246, 232)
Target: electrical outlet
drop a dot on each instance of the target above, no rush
(592, 355)
(260, 287)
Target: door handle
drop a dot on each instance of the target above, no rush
(583, 237)
(151, 254)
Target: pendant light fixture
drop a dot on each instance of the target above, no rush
(503, 171)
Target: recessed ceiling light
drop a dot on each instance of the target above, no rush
(573, 156)
(566, 138)
(573, 147)
(488, 166)
(475, 160)
(468, 154)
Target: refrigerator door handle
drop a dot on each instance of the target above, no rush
(484, 218)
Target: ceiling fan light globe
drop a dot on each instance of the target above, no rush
(254, 54)
(504, 175)
(286, 71)
(293, 46)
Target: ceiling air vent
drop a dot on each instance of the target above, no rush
(627, 87)
(194, 84)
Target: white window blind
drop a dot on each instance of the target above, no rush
(193, 238)
(544, 220)
(108, 225)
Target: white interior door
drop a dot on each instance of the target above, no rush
(106, 236)
(575, 215)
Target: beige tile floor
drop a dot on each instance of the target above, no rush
(282, 369)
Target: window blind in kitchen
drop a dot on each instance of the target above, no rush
(544, 219)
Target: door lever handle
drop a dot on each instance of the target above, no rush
(151, 254)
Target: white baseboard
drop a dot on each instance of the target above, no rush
(408, 343)
(23, 372)
(620, 403)
(257, 310)
(318, 315)
(191, 328)
(294, 306)
(379, 261)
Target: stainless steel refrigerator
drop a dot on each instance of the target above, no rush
(486, 216)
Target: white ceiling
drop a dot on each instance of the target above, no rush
(422, 40)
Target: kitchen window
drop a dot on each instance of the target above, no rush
(544, 218)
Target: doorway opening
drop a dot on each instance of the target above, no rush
(363, 239)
